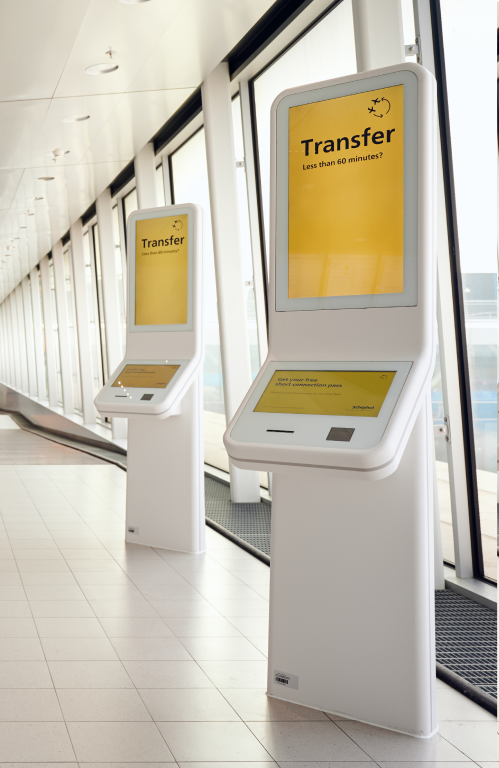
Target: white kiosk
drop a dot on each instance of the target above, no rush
(158, 385)
(344, 398)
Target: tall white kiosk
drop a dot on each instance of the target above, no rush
(340, 410)
(158, 385)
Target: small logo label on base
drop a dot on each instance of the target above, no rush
(288, 681)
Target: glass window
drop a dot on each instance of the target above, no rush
(160, 187)
(327, 51)
(468, 71)
(130, 203)
(55, 331)
(242, 196)
(119, 274)
(73, 331)
(93, 314)
(100, 301)
(190, 185)
(43, 334)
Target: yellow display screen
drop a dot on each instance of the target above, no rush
(346, 196)
(161, 271)
(146, 376)
(326, 393)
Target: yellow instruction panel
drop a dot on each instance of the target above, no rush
(327, 393)
(161, 271)
(346, 196)
(146, 376)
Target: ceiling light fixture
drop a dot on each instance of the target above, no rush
(46, 178)
(133, 2)
(29, 199)
(103, 69)
(75, 118)
(57, 153)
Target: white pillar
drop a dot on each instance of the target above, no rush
(110, 294)
(379, 35)
(28, 330)
(48, 322)
(63, 325)
(37, 327)
(82, 323)
(145, 169)
(15, 339)
(10, 339)
(21, 338)
(5, 346)
(234, 345)
(166, 180)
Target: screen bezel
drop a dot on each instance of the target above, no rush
(159, 214)
(157, 365)
(409, 296)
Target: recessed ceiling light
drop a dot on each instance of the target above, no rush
(33, 198)
(133, 2)
(46, 178)
(102, 69)
(75, 118)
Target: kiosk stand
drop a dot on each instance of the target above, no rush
(158, 385)
(340, 412)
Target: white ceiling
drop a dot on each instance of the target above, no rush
(164, 48)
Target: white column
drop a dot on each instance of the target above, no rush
(145, 169)
(379, 36)
(110, 294)
(256, 249)
(63, 325)
(22, 338)
(28, 330)
(10, 340)
(234, 345)
(48, 321)
(5, 346)
(447, 338)
(82, 323)
(37, 327)
(15, 340)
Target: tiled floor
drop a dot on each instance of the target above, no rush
(112, 654)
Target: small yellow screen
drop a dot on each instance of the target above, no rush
(149, 376)
(327, 393)
(161, 271)
(346, 196)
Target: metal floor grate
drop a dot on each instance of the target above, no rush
(466, 632)
(466, 639)
(251, 522)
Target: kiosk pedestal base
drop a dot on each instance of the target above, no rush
(352, 593)
(165, 478)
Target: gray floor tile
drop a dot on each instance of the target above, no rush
(29, 705)
(221, 649)
(67, 627)
(204, 705)
(28, 742)
(381, 744)
(25, 674)
(167, 674)
(131, 627)
(476, 740)
(89, 674)
(102, 704)
(255, 705)
(306, 741)
(202, 627)
(21, 649)
(236, 674)
(53, 609)
(118, 742)
(18, 627)
(212, 742)
(150, 649)
(78, 649)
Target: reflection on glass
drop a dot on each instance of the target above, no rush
(73, 331)
(100, 301)
(119, 275)
(468, 71)
(190, 185)
(55, 331)
(327, 51)
(93, 315)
